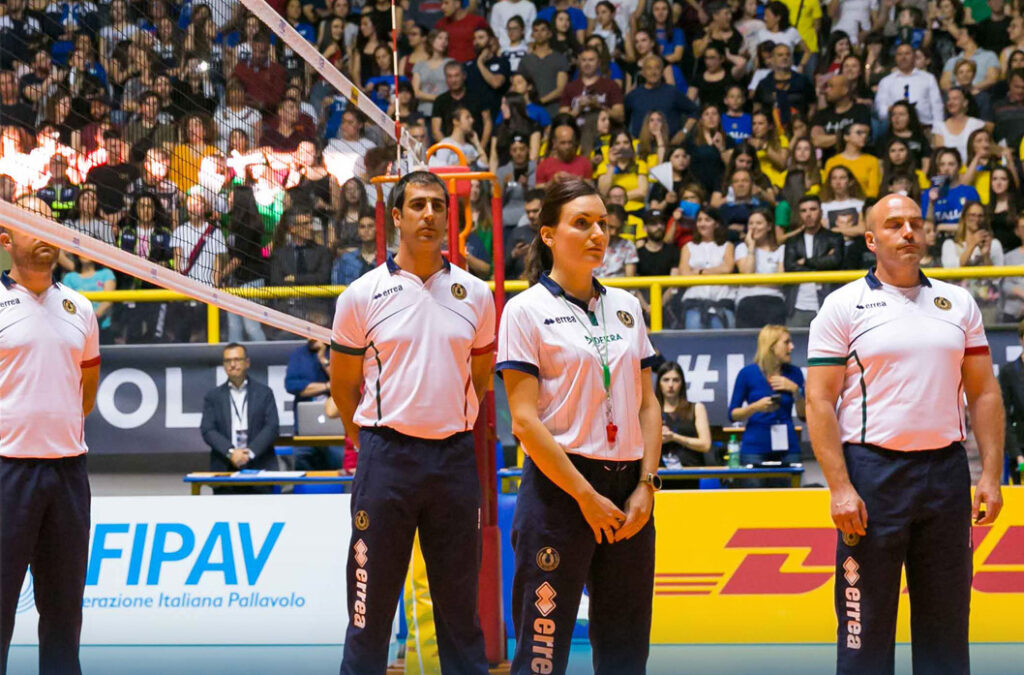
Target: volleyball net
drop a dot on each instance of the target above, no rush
(221, 155)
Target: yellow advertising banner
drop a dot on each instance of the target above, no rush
(757, 566)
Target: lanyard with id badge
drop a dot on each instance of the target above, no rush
(241, 434)
(601, 346)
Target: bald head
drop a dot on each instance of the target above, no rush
(893, 206)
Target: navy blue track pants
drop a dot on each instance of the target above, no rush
(44, 522)
(919, 515)
(403, 484)
(556, 555)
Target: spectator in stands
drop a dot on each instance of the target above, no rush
(516, 44)
(459, 22)
(361, 63)
(1012, 288)
(818, 249)
(300, 260)
(760, 253)
(986, 62)
(620, 256)
(59, 193)
(563, 157)
(685, 431)
(1008, 113)
(983, 155)
(656, 94)
(235, 114)
(624, 169)
(710, 148)
(866, 168)
(735, 202)
(86, 216)
(841, 111)
(343, 156)
(154, 180)
(189, 153)
(239, 422)
(307, 379)
(517, 243)
(906, 82)
(283, 132)
(517, 177)
(1003, 206)
(898, 161)
(87, 277)
(592, 92)
(1011, 382)
(943, 203)
(147, 131)
(354, 263)
(428, 76)
(419, 49)
(655, 256)
(577, 17)
(13, 110)
(763, 396)
(247, 267)
(974, 244)
(145, 231)
(199, 253)
(463, 137)
(803, 176)
(714, 80)
(668, 179)
(458, 95)
(954, 131)
(791, 93)
(709, 253)
(503, 11)
(263, 78)
(905, 125)
(353, 201)
(487, 74)
(842, 203)
(547, 68)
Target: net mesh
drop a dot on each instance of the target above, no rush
(213, 149)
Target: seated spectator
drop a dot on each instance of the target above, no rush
(685, 431)
(709, 253)
(428, 76)
(299, 260)
(145, 231)
(898, 159)
(974, 244)
(563, 156)
(905, 125)
(818, 249)
(986, 62)
(591, 92)
(954, 131)
(1008, 112)
(772, 149)
(459, 22)
(59, 193)
(620, 257)
(655, 256)
(779, 30)
(288, 128)
(354, 263)
(264, 79)
(153, 179)
(458, 96)
(840, 112)
(759, 253)
(803, 177)
(715, 80)
(656, 94)
(200, 254)
(943, 202)
(668, 178)
(983, 155)
(361, 62)
(515, 45)
(517, 178)
(548, 68)
(517, 243)
(307, 379)
(464, 137)
(247, 260)
(1011, 289)
(522, 84)
(735, 204)
(487, 74)
(710, 148)
(239, 422)
(907, 82)
(147, 131)
(652, 144)
(841, 196)
(86, 277)
(343, 156)
(763, 397)
(480, 242)
(86, 217)
(188, 155)
(784, 90)
(737, 123)
(625, 170)
(515, 123)
(1003, 206)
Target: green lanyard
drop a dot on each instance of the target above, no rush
(601, 346)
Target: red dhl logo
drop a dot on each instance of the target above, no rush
(762, 574)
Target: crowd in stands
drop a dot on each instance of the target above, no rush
(726, 137)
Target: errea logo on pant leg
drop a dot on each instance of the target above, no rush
(852, 595)
(362, 576)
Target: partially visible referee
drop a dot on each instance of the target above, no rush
(898, 351)
(49, 370)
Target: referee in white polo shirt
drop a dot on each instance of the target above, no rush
(898, 352)
(417, 334)
(49, 369)
(577, 362)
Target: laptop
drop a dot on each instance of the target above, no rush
(310, 420)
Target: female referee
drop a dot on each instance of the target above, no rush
(576, 362)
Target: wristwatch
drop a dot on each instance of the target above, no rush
(653, 480)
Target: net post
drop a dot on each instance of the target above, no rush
(656, 307)
(212, 324)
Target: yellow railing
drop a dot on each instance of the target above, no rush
(656, 286)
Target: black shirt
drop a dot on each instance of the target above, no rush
(444, 104)
(478, 88)
(657, 263)
(994, 35)
(795, 94)
(835, 122)
(20, 114)
(111, 184)
(918, 143)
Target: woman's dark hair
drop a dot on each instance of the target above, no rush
(744, 149)
(720, 236)
(558, 193)
(890, 170)
(780, 10)
(1012, 198)
(684, 409)
(830, 51)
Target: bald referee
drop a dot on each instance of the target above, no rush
(898, 352)
(49, 368)
(419, 334)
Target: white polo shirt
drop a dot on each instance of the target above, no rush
(416, 339)
(542, 334)
(903, 350)
(45, 342)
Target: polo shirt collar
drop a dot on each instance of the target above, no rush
(556, 290)
(10, 283)
(874, 284)
(393, 266)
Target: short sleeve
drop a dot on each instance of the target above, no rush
(518, 341)
(976, 341)
(348, 334)
(649, 357)
(828, 343)
(631, 255)
(483, 343)
(217, 243)
(91, 351)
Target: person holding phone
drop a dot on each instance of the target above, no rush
(764, 396)
(944, 202)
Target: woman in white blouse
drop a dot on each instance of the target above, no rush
(958, 126)
(974, 245)
(760, 253)
(708, 253)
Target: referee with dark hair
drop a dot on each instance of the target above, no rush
(49, 370)
(892, 357)
(419, 334)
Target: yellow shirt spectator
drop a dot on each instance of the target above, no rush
(805, 23)
(185, 161)
(866, 169)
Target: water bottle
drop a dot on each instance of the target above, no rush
(733, 449)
